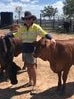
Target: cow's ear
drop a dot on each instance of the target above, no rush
(47, 42)
(43, 41)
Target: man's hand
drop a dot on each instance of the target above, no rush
(53, 42)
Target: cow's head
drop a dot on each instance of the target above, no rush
(42, 48)
(14, 27)
(12, 70)
(17, 43)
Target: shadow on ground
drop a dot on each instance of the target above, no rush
(11, 91)
(52, 94)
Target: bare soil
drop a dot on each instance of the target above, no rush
(46, 80)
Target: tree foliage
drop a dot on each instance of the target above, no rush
(18, 10)
(49, 11)
(68, 8)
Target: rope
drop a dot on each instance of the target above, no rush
(5, 47)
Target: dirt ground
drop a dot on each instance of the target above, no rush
(46, 81)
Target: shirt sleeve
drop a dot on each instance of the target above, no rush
(18, 33)
(40, 31)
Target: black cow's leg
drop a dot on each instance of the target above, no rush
(1, 74)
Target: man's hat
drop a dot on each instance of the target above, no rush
(27, 15)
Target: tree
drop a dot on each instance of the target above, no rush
(68, 8)
(49, 11)
(18, 10)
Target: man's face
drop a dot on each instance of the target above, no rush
(28, 21)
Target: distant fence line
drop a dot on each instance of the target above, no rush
(58, 24)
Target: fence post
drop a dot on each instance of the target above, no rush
(40, 19)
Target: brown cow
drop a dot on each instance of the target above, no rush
(60, 56)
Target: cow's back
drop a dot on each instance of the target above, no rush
(66, 49)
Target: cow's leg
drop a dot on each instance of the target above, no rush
(64, 77)
(1, 73)
(59, 81)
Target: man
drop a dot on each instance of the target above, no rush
(28, 33)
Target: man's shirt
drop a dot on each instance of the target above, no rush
(30, 35)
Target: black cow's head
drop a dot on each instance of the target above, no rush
(12, 70)
(17, 43)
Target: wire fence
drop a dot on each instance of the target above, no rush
(58, 25)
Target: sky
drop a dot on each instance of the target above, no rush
(35, 6)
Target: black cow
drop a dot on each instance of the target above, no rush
(9, 47)
(66, 26)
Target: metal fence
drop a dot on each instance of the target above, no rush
(59, 25)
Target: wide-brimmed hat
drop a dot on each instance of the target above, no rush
(28, 15)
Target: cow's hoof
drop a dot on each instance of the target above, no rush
(13, 83)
